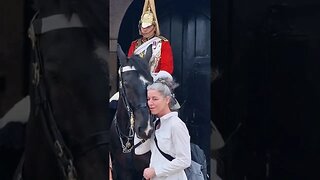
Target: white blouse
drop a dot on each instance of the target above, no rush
(173, 139)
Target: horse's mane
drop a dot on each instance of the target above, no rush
(141, 66)
(93, 14)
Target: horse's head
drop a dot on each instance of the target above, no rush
(134, 76)
(70, 59)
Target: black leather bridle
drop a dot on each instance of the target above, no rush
(128, 146)
(43, 106)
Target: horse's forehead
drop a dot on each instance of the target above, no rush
(132, 68)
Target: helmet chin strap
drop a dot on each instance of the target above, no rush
(147, 38)
(149, 35)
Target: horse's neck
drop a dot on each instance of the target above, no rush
(50, 7)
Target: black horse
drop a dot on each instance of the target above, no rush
(132, 117)
(67, 133)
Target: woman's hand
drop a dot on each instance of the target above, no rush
(149, 173)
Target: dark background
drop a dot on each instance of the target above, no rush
(268, 55)
(15, 16)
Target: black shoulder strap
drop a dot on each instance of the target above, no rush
(169, 157)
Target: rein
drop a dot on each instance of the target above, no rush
(43, 106)
(127, 147)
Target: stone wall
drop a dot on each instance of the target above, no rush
(117, 11)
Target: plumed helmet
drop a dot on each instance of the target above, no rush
(149, 16)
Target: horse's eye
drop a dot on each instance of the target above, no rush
(127, 83)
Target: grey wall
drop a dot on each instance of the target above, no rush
(117, 11)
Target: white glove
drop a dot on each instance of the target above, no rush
(161, 74)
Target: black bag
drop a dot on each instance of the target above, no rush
(198, 168)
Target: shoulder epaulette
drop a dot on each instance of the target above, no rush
(163, 38)
(137, 40)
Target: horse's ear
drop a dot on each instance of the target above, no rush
(122, 57)
(148, 54)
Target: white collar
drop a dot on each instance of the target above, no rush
(168, 116)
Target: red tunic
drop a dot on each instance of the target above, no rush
(166, 58)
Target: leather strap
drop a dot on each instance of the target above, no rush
(169, 157)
